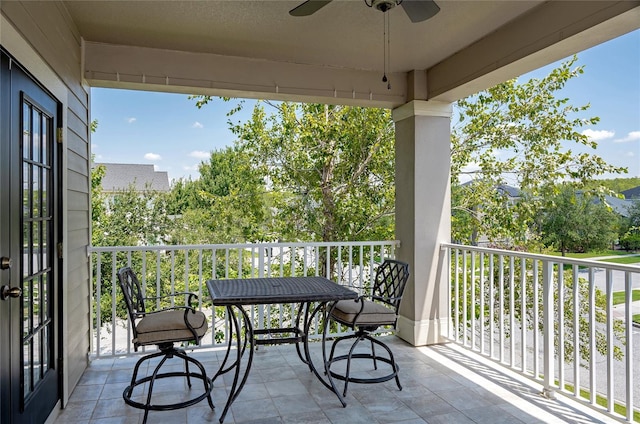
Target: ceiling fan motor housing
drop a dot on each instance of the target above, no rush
(384, 5)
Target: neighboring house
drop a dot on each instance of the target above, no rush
(120, 176)
(619, 206)
(632, 193)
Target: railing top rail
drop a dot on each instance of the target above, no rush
(549, 258)
(241, 245)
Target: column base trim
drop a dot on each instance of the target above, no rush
(422, 333)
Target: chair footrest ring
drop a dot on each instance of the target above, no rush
(368, 380)
(128, 391)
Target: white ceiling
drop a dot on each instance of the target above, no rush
(345, 33)
(338, 49)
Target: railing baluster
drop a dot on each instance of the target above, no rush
(512, 312)
(465, 332)
(523, 313)
(547, 312)
(98, 303)
(592, 336)
(457, 297)
(536, 317)
(492, 316)
(609, 324)
(629, 346)
(482, 304)
(473, 300)
(560, 315)
(501, 302)
(576, 331)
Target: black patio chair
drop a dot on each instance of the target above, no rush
(162, 328)
(365, 315)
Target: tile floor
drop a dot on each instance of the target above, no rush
(441, 384)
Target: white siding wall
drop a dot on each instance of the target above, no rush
(43, 38)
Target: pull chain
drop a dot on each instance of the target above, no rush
(386, 46)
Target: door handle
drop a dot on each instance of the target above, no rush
(5, 263)
(7, 292)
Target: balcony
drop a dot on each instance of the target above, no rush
(492, 370)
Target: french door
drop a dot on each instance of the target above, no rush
(29, 264)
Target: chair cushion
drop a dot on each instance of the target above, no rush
(169, 326)
(373, 314)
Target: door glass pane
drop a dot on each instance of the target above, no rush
(26, 196)
(26, 247)
(26, 379)
(26, 311)
(45, 135)
(45, 344)
(45, 298)
(35, 310)
(35, 182)
(26, 131)
(35, 147)
(45, 188)
(36, 359)
(35, 248)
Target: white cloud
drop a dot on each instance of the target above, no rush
(190, 168)
(630, 154)
(152, 156)
(197, 125)
(632, 136)
(132, 120)
(598, 135)
(199, 154)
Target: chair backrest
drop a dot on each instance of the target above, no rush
(133, 296)
(388, 286)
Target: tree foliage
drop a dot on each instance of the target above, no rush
(329, 169)
(518, 133)
(578, 222)
(227, 204)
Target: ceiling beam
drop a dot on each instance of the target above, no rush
(550, 32)
(141, 68)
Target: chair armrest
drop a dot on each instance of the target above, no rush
(190, 298)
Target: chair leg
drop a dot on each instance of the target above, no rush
(373, 353)
(151, 381)
(391, 359)
(349, 356)
(167, 353)
(208, 384)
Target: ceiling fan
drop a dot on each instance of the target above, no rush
(416, 10)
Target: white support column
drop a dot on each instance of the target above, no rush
(423, 216)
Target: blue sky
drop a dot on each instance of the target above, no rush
(168, 130)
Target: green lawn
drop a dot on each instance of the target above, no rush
(636, 318)
(590, 254)
(624, 260)
(618, 297)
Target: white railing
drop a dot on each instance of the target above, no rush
(572, 338)
(170, 269)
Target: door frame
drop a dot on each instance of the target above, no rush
(57, 311)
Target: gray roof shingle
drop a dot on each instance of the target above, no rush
(632, 193)
(119, 176)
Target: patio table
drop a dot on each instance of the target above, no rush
(312, 294)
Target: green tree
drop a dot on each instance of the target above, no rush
(630, 228)
(616, 185)
(578, 222)
(330, 169)
(227, 204)
(517, 133)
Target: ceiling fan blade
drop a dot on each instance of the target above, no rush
(420, 10)
(309, 7)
